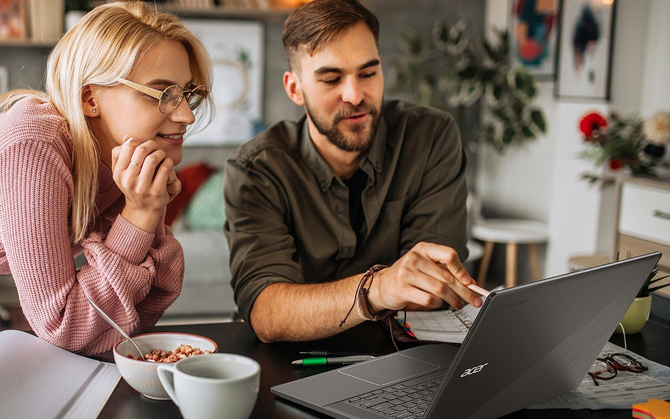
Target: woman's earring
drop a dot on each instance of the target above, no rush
(95, 110)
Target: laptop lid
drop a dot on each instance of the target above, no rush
(538, 340)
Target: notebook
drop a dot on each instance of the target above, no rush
(39, 380)
(527, 344)
(441, 326)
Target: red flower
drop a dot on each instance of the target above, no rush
(615, 164)
(590, 123)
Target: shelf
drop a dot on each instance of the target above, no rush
(234, 13)
(26, 43)
(270, 14)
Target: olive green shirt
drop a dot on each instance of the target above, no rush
(287, 213)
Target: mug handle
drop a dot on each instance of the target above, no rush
(167, 382)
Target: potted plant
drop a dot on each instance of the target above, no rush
(638, 312)
(624, 143)
(453, 72)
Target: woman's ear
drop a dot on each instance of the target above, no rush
(89, 102)
(293, 89)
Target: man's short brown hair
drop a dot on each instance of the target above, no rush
(321, 21)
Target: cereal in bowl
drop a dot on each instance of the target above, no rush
(182, 351)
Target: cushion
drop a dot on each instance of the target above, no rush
(205, 211)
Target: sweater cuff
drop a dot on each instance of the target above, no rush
(128, 241)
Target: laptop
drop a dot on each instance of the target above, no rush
(528, 344)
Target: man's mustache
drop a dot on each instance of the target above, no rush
(352, 110)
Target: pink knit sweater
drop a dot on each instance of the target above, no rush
(131, 274)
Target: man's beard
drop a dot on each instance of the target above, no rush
(339, 138)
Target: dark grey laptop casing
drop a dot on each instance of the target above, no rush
(528, 344)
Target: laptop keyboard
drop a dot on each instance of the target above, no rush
(399, 401)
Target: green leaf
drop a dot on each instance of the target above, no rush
(526, 131)
(488, 75)
(522, 83)
(537, 118)
(410, 42)
(508, 135)
(440, 33)
(425, 93)
(472, 94)
(469, 72)
(490, 51)
(498, 92)
(459, 36)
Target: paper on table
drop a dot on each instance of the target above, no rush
(39, 380)
(622, 392)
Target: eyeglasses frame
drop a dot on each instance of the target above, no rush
(158, 94)
(614, 366)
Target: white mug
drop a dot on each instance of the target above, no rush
(222, 386)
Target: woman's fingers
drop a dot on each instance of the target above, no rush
(142, 152)
(160, 179)
(174, 188)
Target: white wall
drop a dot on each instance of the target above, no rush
(656, 85)
(540, 181)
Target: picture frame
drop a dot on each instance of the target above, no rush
(533, 26)
(236, 48)
(585, 48)
(12, 19)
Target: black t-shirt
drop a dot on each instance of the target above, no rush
(356, 185)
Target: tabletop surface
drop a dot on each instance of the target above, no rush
(275, 360)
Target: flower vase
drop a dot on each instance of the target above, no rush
(636, 316)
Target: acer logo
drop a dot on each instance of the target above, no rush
(473, 370)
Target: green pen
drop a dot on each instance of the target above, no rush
(337, 360)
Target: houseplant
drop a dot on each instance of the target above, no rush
(638, 312)
(624, 144)
(453, 73)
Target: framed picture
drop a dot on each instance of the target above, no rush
(584, 64)
(237, 52)
(12, 19)
(533, 34)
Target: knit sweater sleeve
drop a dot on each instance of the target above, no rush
(131, 274)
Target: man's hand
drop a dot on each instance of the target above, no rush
(426, 276)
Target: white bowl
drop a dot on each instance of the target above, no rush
(143, 375)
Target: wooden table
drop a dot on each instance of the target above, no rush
(275, 360)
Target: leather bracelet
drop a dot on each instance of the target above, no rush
(362, 303)
(361, 299)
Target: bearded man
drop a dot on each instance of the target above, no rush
(360, 204)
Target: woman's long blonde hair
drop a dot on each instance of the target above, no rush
(102, 47)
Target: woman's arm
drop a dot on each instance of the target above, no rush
(124, 265)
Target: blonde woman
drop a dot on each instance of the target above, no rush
(88, 167)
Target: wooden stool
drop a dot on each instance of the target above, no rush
(512, 233)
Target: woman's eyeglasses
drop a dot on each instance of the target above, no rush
(171, 97)
(606, 368)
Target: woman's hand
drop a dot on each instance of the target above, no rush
(173, 184)
(147, 179)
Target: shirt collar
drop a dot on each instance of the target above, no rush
(373, 162)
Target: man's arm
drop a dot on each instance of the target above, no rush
(298, 312)
(426, 276)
